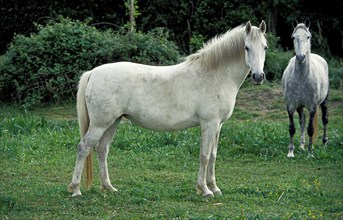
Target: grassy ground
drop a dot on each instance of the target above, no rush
(156, 173)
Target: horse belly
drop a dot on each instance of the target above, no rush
(162, 121)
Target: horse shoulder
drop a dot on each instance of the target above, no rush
(288, 72)
(319, 60)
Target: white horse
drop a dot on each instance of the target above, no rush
(201, 91)
(305, 83)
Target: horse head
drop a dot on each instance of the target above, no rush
(255, 50)
(301, 37)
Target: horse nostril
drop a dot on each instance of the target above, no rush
(258, 78)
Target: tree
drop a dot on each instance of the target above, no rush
(132, 8)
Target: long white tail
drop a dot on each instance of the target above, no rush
(83, 118)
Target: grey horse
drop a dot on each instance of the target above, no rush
(305, 83)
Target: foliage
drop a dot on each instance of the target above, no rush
(276, 59)
(46, 66)
(336, 73)
(182, 18)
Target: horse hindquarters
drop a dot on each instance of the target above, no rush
(90, 136)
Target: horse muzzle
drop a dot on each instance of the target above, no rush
(258, 78)
(300, 58)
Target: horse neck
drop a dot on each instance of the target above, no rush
(237, 71)
(303, 68)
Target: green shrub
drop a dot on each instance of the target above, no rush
(45, 67)
(336, 73)
(276, 59)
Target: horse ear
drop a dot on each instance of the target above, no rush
(248, 27)
(263, 27)
(307, 23)
(295, 23)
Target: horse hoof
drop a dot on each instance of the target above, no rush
(206, 194)
(218, 193)
(108, 187)
(310, 156)
(290, 155)
(76, 194)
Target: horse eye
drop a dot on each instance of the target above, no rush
(292, 38)
(308, 37)
(266, 47)
(246, 48)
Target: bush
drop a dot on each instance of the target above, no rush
(336, 73)
(276, 59)
(45, 67)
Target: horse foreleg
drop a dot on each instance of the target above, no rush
(102, 150)
(325, 120)
(86, 144)
(211, 179)
(291, 134)
(302, 121)
(208, 133)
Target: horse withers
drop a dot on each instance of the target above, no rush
(201, 91)
(305, 84)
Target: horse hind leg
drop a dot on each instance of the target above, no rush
(302, 121)
(291, 133)
(102, 150)
(87, 143)
(325, 120)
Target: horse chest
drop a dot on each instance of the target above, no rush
(301, 93)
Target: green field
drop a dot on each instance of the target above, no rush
(155, 173)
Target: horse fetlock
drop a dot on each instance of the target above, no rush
(75, 189)
(325, 141)
(204, 191)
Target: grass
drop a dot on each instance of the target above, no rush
(156, 173)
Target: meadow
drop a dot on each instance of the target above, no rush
(155, 173)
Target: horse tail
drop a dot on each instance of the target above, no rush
(83, 118)
(315, 127)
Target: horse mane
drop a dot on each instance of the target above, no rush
(221, 49)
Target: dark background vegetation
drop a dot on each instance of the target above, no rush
(183, 18)
(46, 45)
